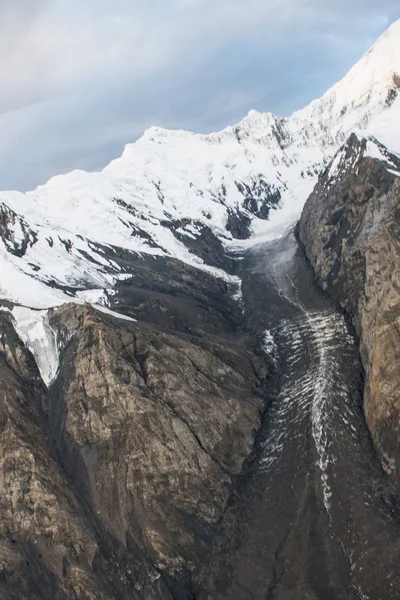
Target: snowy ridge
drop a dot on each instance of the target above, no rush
(370, 87)
(170, 186)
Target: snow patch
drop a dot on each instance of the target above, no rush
(112, 313)
(269, 346)
(35, 331)
(93, 296)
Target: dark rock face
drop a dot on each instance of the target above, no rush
(259, 196)
(238, 224)
(350, 229)
(115, 479)
(47, 544)
(14, 232)
(394, 90)
(152, 427)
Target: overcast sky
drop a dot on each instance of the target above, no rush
(80, 78)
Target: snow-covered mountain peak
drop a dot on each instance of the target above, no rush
(370, 86)
(170, 189)
(256, 119)
(253, 114)
(375, 75)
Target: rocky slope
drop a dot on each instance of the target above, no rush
(114, 479)
(350, 228)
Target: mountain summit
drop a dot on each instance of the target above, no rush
(170, 187)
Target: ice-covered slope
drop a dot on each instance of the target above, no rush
(170, 187)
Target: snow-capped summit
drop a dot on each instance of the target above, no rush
(373, 79)
(169, 187)
(372, 85)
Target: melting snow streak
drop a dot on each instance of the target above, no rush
(35, 331)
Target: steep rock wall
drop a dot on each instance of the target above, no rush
(350, 229)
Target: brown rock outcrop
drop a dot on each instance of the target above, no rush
(350, 229)
(47, 545)
(152, 426)
(113, 481)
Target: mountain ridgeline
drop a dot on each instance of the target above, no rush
(199, 359)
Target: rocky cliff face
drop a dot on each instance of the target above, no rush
(350, 229)
(114, 479)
